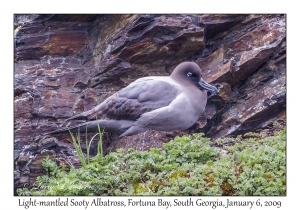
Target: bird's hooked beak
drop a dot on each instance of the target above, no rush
(208, 87)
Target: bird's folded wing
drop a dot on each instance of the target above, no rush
(141, 96)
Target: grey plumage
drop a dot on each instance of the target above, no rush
(150, 103)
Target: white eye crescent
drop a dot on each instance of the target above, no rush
(189, 74)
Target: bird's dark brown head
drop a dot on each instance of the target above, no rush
(189, 73)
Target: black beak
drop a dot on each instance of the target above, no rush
(208, 87)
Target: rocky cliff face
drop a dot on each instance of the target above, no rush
(67, 64)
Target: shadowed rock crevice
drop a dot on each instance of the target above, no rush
(67, 64)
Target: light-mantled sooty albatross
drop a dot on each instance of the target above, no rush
(162, 103)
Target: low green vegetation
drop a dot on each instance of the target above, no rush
(188, 165)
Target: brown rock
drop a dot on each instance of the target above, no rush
(24, 179)
(49, 38)
(47, 143)
(32, 147)
(224, 91)
(260, 98)
(90, 99)
(214, 67)
(23, 106)
(22, 160)
(218, 23)
(56, 104)
(162, 38)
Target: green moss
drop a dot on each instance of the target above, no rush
(187, 166)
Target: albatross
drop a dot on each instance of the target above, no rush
(162, 103)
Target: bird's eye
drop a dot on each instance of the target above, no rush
(189, 74)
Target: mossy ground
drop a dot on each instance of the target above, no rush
(188, 165)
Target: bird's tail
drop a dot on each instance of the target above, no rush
(91, 126)
(115, 126)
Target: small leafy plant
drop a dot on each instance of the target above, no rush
(187, 165)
